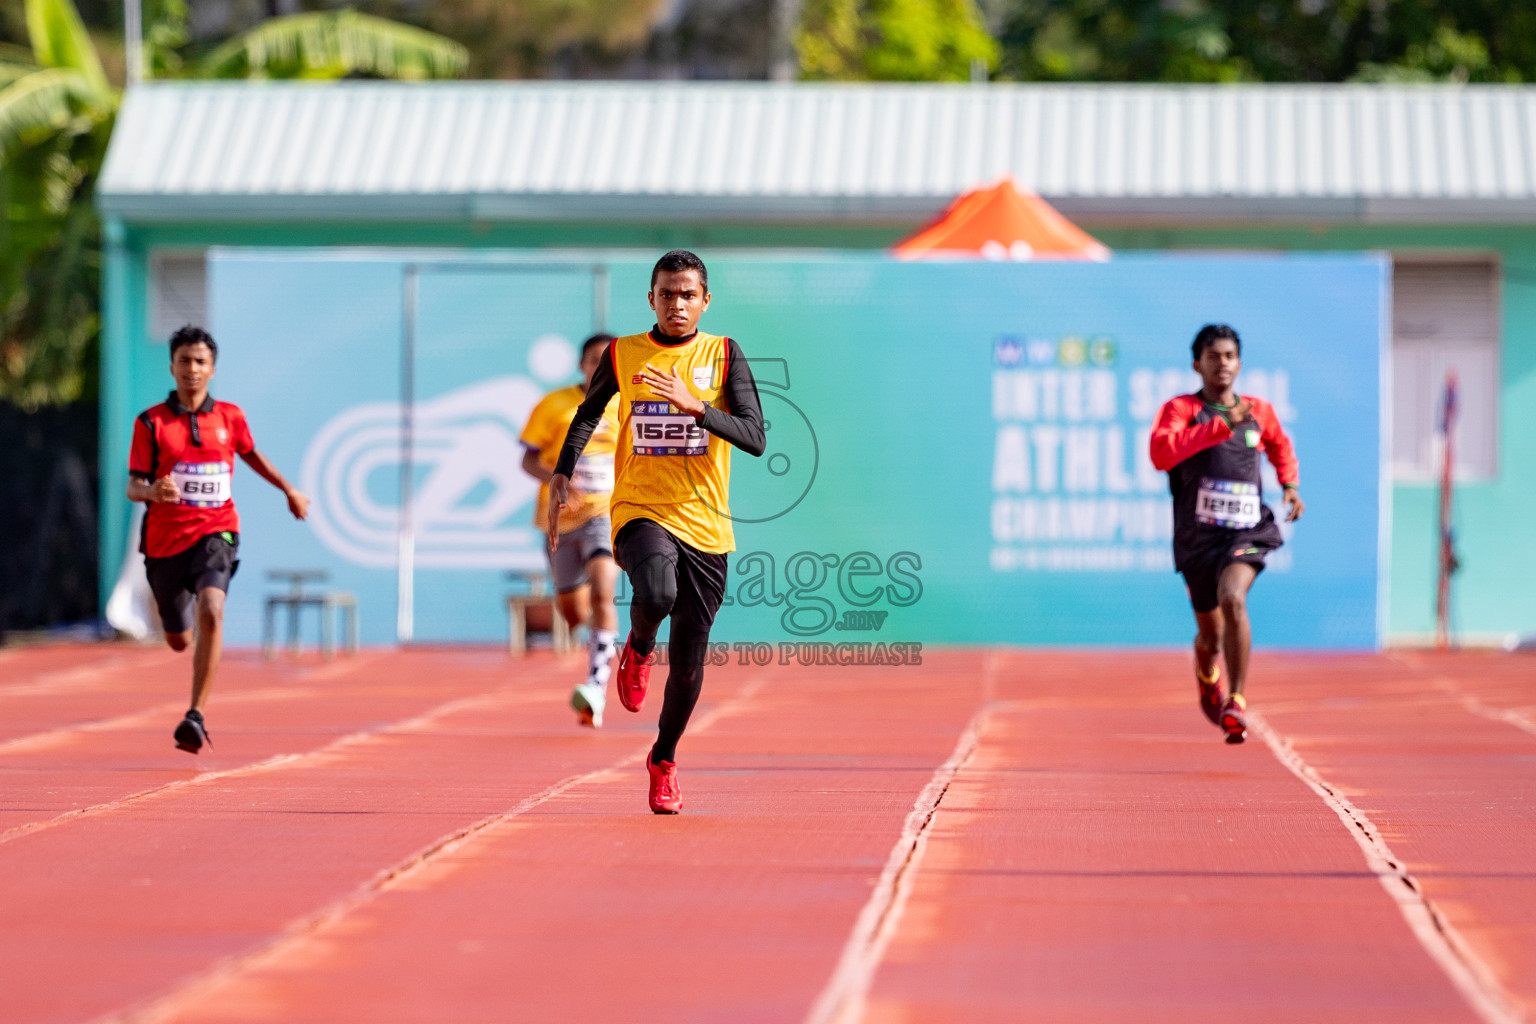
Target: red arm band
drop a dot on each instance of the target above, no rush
(1277, 447)
(1174, 440)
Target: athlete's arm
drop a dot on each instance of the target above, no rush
(142, 453)
(298, 504)
(1174, 440)
(533, 467)
(141, 488)
(741, 421)
(1282, 455)
(588, 415)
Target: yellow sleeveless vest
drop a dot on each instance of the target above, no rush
(667, 467)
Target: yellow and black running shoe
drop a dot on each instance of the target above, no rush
(1212, 697)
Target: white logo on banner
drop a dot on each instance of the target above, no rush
(472, 498)
(1074, 489)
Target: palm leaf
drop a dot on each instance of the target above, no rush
(334, 44)
(59, 40)
(43, 102)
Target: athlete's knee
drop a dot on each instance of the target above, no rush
(655, 582)
(210, 607)
(603, 574)
(1234, 603)
(573, 607)
(178, 641)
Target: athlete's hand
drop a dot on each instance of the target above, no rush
(673, 388)
(1239, 412)
(298, 504)
(164, 490)
(1294, 505)
(559, 497)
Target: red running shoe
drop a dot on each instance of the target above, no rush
(1233, 721)
(634, 677)
(1212, 699)
(666, 797)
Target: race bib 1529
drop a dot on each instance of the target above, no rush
(1232, 504)
(658, 429)
(202, 484)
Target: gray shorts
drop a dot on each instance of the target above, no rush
(568, 565)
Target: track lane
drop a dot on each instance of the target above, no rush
(1433, 749)
(1104, 856)
(1074, 869)
(28, 663)
(790, 805)
(151, 893)
(262, 710)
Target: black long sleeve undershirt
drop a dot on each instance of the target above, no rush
(741, 426)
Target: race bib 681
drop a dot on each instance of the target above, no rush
(202, 484)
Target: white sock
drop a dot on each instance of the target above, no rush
(601, 647)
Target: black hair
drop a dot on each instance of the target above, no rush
(680, 259)
(1210, 334)
(600, 338)
(190, 335)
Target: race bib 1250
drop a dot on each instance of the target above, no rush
(202, 484)
(658, 429)
(1232, 504)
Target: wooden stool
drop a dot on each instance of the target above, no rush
(332, 604)
(517, 614)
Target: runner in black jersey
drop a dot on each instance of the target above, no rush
(1209, 444)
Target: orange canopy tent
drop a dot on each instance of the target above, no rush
(1002, 223)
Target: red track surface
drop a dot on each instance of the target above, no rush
(427, 837)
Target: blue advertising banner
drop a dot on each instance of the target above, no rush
(957, 450)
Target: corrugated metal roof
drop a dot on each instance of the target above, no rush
(543, 150)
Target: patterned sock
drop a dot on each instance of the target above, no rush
(600, 647)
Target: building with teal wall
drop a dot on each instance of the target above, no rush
(1441, 178)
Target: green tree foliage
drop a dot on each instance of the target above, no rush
(520, 38)
(336, 44)
(1268, 40)
(893, 40)
(56, 114)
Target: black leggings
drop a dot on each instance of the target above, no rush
(671, 578)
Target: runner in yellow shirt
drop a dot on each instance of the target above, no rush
(582, 566)
(685, 398)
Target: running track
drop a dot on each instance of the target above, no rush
(995, 836)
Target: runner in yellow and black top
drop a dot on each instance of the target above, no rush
(582, 566)
(685, 397)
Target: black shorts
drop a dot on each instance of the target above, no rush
(1201, 575)
(176, 579)
(700, 575)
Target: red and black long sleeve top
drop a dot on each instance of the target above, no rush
(1213, 472)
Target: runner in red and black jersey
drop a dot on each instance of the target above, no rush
(181, 464)
(1209, 444)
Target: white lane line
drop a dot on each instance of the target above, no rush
(1477, 983)
(298, 930)
(54, 680)
(147, 716)
(39, 740)
(843, 999)
(281, 760)
(1488, 711)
